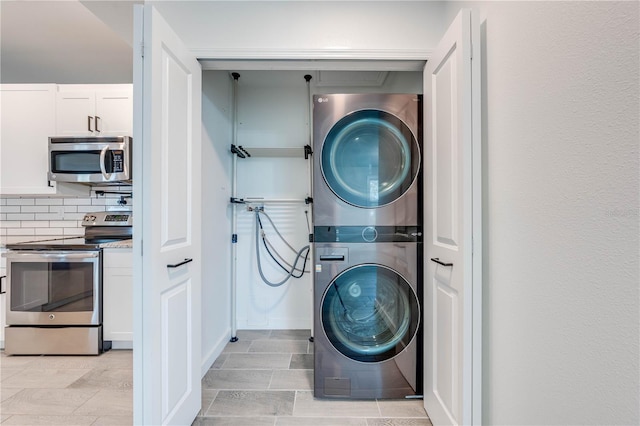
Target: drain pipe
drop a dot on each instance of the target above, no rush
(310, 191)
(234, 219)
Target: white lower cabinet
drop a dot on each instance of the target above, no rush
(117, 292)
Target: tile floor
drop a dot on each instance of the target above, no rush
(67, 390)
(266, 378)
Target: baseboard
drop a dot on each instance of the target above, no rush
(214, 353)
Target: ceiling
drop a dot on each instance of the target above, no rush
(90, 42)
(65, 42)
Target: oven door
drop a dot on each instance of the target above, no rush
(54, 287)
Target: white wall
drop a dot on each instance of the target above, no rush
(561, 103)
(264, 28)
(216, 225)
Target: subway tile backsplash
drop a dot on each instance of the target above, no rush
(28, 216)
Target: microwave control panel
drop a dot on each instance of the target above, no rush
(117, 161)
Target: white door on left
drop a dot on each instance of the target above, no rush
(167, 324)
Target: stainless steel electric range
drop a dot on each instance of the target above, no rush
(54, 291)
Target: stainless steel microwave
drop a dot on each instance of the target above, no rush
(90, 159)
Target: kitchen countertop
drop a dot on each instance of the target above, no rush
(118, 244)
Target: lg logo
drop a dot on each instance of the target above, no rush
(321, 100)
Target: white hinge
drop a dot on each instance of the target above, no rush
(142, 49)
(141, 246)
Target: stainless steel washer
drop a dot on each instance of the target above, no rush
(367, 317)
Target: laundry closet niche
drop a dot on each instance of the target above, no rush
(272, 112)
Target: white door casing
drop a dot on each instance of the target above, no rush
(167, 354)
(452, 229)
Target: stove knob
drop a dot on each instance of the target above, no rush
(51, 316)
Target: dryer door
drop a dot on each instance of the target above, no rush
(370, 158)
(370, 313)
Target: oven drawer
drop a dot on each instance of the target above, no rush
(53, 340)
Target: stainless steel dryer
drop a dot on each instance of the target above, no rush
(367, 159)
(367, 318)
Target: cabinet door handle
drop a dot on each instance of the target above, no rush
(439, 262)
(2, 278)
(89, 118)
(97, 122)
(180, 264)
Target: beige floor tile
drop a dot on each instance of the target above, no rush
(5, 373)
(252, 403)
(44, 378)
(110, 378)
(6, 393)
(253, 334)
(279, 346)
(292, 380)
(234, 421)
(31, 420)
(237, 347)
(65, 362)
(301, 361)
(208, 395)
(237, 379)
(308, 406)
(219, 362)
(16, 361)
(46, 402)
(290, 335)
(320, 421)
(114, 421)
(117, 358)
(258, 361)
(398, 422)
(402, 408)
(111, 402)
(4, 417)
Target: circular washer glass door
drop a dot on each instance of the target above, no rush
(370, 158)
(370, 313)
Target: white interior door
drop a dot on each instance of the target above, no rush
(452, 184)
(167, 355)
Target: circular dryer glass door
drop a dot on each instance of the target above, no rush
(370, 313)
(370, 158)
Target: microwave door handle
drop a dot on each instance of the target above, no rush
(103, 167)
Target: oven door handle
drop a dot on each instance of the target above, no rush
(2, 278)
(57, 255)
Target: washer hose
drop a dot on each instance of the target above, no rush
(295, 263)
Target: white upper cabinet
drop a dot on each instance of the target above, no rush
(27, 119)
(94, 110)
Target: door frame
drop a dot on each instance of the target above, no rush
(373, 59)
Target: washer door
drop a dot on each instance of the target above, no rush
(370, 313)
(370, 158)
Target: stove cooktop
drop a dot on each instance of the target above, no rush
(66, 243)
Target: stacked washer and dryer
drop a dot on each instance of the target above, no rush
(367, 219)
